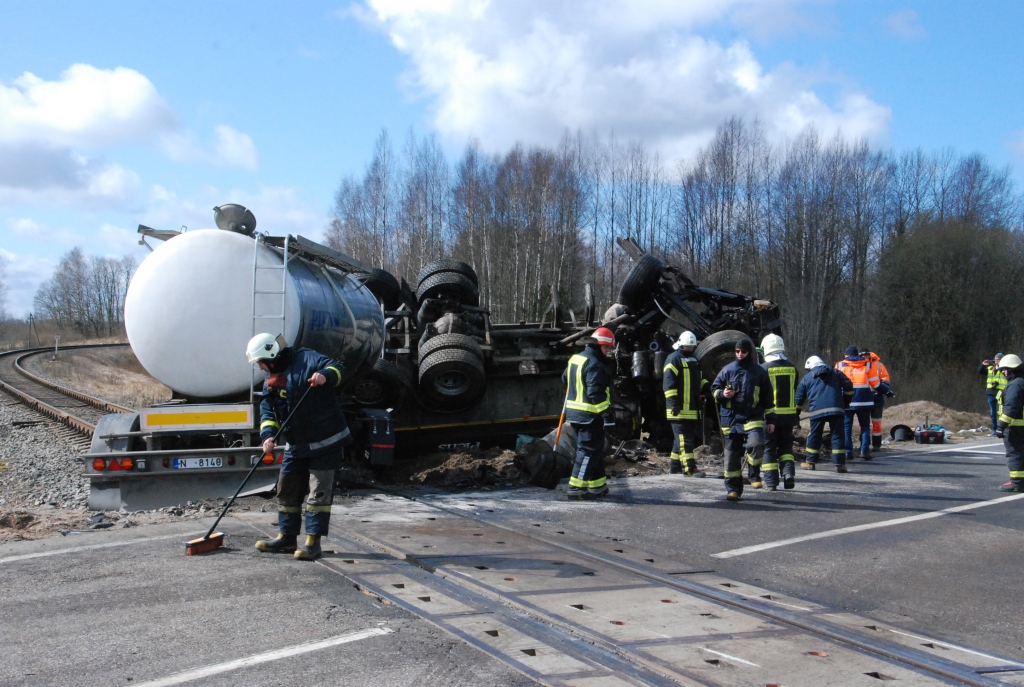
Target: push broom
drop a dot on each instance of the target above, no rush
(213, 541)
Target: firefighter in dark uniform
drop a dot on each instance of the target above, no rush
(588, 398)
(828, 393)
(684, 384)
(778, 450)
(317, 434)
(744, 393)
(1010, 427)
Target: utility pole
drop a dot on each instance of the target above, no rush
(56, 343)
(31, 326)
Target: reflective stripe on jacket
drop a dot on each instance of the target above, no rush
(994, 381)
(589, 386)
(1011, 414)
(783, 375)
(681, 378)
(857, 370)
(746, 410)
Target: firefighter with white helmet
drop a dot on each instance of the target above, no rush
(588, 398)
(827, 392)
(684, 385)
(778, 450)
(317, 434)
(1010, 427)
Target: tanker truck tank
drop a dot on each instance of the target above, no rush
(198, 298)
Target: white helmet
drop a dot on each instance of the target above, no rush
(772, 344)
(264, 347)
(686, 339)
(1009, 362)
(813, 362)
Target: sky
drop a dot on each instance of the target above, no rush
(115, 114)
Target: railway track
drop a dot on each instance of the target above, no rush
(78, 412)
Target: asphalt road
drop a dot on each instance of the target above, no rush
(958, 577)
(136, 613)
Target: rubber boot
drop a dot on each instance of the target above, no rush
(597, 493)
(690, 469)
(282, 543)
(576, 494)
(788, 474)
(312, 549)
(732, 496)
(840, 468)
(807, 465)
(675, 466)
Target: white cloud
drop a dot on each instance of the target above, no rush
(24, 275)
(529, 70)
(235, 149)
(906, 24)
(231, 148)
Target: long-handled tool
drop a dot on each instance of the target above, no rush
(561, 421)
(211, 541)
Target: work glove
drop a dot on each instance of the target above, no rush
(676, 405)
(890, 394)
(999, 433)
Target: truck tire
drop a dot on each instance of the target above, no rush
(385, 287)
(439, 266)
(449, 285)
(717, 351)
(451, 379)
(442, 342)
(637, 288)
(384, 386)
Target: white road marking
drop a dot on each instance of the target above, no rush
(90, 547)
(731, 658)
(218, 668)
(860, 528)
(958, 648)
(963, 448)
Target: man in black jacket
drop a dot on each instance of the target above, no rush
(317, 434)
(588, 397)
(1010, 426)
(683, 385)
(778, 451)
(743, 391)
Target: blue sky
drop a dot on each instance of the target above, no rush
(119, 113)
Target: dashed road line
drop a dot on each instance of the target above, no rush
(861, 528)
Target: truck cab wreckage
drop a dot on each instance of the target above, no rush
(426, 368)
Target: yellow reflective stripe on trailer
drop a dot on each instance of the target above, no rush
(212, 417)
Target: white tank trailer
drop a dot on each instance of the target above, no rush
(426, 368)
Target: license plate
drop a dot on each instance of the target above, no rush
(193, 463)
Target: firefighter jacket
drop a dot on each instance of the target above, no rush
(825, 391)
(1011, 414)
(994, 382)
(783, 375)
(319, 423)
(864, 384)
(588, 385)
(746, 410)
(682, 380)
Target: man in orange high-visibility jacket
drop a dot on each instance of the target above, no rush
(876, 368)
(859, 372)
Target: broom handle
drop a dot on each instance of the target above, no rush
(256, 465)
(561, 421)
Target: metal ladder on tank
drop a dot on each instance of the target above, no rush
(256, 293)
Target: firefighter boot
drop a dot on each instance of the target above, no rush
(754, 475)
(312, 549)
(770, 477)
(577, 494)
(690, 468)
(282, 543)
(1013, 486)
(788, 474)
(675, 466)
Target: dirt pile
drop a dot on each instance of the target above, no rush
(458, 470)
(915, 412)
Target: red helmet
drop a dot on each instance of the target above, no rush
(604, 336)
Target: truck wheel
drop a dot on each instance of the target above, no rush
(451, 379)
(452, 285)
(384, 386)
(717, 351)
(442, 342)
(640, 282)
(385, 287)
(439, 266)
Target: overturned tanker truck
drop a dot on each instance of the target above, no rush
(426, 368)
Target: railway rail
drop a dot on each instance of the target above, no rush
(72, 408)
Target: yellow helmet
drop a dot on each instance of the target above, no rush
(1009, 362)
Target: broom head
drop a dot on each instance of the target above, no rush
(204, 544)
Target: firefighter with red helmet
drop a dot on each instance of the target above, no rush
(588, 398)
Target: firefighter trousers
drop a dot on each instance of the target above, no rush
(685, 440)
(1013, 440)
(588, 470)
(309, 479)
(835, 427)
(737, 445)
(863, 415)
(778, 456)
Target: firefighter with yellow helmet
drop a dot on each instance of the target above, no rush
(1010, 425)
(684, 385)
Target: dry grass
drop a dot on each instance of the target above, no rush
(113, 374)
